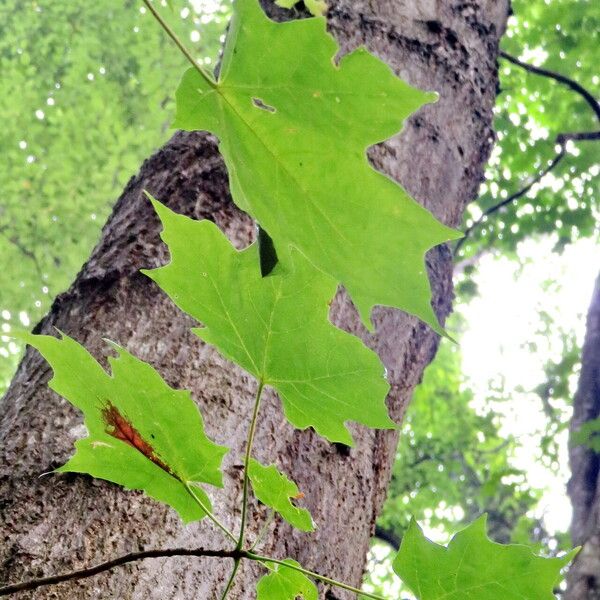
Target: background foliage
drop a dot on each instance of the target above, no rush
(95, 85)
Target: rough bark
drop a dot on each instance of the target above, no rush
(583, 578)
(55, 523)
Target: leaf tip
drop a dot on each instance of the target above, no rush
(569, 556)
(431, 97)
(158, 206)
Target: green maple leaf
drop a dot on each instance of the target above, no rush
(275, 327)
(275, 490)
(473, 567)
(134, 422)
(293, 129)
(286, 584)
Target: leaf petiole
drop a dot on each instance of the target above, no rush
(323, 578)
(209, 514)
(205, 74)
(236, 566)
(251, 432)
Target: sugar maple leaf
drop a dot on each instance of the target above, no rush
(473, 567)
(277, 491)
(293, 128)
(284, 583)
(134, 423)
(275, 327)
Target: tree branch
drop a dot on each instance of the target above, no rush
(236, 554)
(387, 536)
(24, 251)
(492, 209)
(33, 584)
(561, 138)
(567, 81)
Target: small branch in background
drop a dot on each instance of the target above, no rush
(111, 564)
(567, 81)
(561, 139)
(496, 207)
(575, 136)
(24, 251)
(471, 261)
(389, 537)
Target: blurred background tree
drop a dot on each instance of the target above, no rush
(487, 429)
(462, 451)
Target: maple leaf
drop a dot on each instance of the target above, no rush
(275, 490)
(285, 584)
(275, 327)
(293, 129)
(473, 567)
(134, 422)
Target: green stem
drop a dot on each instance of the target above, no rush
(209, 514)
(205, 75)
(236, 566)
(251, 432)
(339, 584)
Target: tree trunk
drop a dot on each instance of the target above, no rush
(58, 522)
(583, 577)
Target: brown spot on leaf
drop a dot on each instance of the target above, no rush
(119, 427)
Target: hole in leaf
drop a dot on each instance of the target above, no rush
(260, 104)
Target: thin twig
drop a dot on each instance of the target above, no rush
(236, 555)
(570, 83)
(492, 209)
(263, 531)
(33, 584)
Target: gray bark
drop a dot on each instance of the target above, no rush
(583, 577)
(59, 522)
